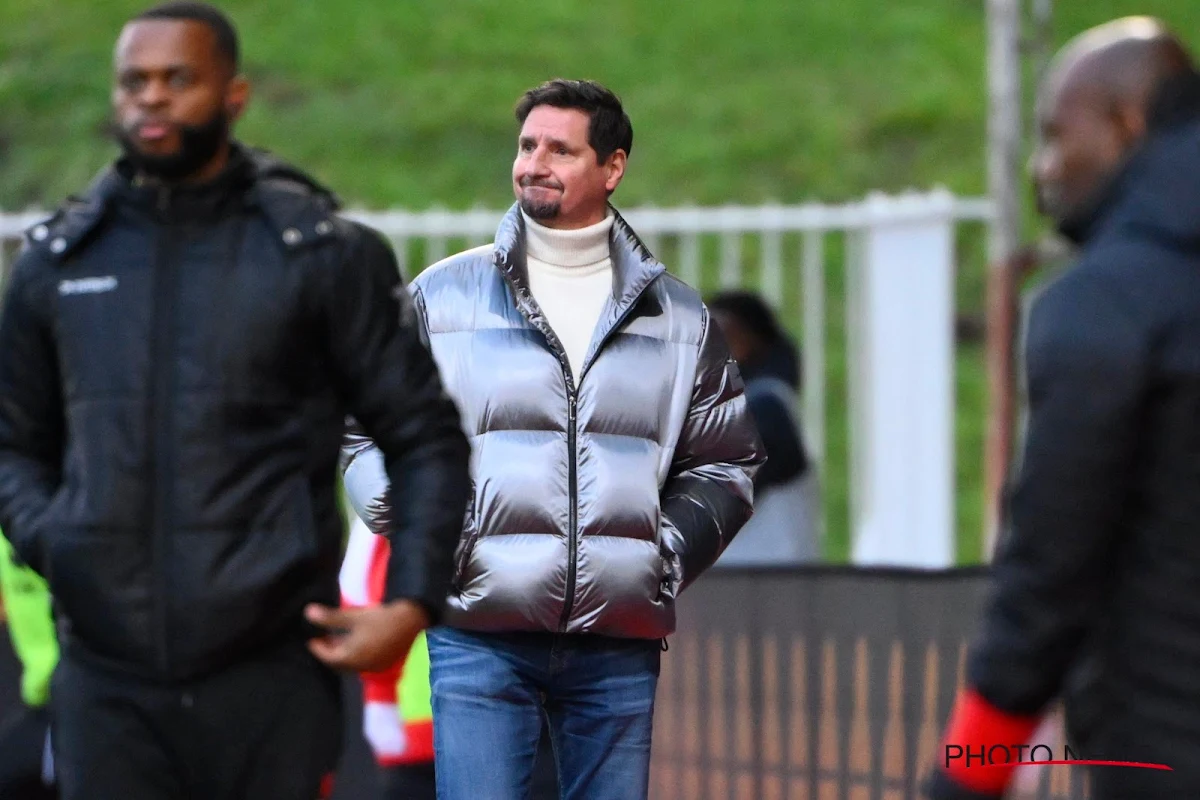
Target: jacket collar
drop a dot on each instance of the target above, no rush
(634, 267)
(296, 206)
(1085, 223)
(1173, 123)
(182, 202)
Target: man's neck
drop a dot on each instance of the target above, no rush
(573, 225)
(568, 248)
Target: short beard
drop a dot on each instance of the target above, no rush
(198, 145)
(540, 211)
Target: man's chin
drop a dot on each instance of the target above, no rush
(1050, 209)
(542, 212)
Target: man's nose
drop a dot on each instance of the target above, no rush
(1041, 164)
(539, 161)
(154, 93)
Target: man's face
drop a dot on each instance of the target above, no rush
(174, 96)
(555, 175)
(1082, 145)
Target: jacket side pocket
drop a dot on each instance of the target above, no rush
(466, 545)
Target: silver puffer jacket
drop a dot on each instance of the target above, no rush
(595, 502)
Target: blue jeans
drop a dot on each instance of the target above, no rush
(489, 692)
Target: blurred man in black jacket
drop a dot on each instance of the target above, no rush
(1098, 574)
(179, 350)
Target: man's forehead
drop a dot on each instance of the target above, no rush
(1072, 85)
(165, 41)
(551, 121)
(1048, 101)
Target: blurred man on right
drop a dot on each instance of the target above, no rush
(1100, 561)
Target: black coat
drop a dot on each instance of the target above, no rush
(176, 369)
(1099, 571)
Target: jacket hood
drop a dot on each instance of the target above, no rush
(294, 203)
(248, 167)
(1157, 195)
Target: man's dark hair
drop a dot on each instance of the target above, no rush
(222, 28)
(609, 129)
(752, 311)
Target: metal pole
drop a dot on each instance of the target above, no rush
(1002, 315)
(1043, 34)
(1004, 178)
(1004, 125)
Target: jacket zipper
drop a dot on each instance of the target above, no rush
(572, 467)
(573, 504)
(162, 368)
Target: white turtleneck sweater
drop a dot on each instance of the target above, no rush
(570, 276)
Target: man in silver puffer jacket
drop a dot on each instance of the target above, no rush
(613, 461)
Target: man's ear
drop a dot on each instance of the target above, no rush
(1131, 123)
(236, 97)
(615, 170)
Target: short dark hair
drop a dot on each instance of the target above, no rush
(609, 129)
(186, 10)
(757, 316)
(752, 311)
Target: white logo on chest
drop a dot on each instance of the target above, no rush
(88, 285)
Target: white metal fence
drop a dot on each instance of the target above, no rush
(896, 258)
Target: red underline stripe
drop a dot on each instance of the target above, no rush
(1078, 763)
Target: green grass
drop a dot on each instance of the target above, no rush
(408, 103)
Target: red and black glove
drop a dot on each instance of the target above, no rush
(964, 772)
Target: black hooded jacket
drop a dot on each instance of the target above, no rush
(176, 369)
(1101, 547)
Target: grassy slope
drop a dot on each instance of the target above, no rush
(408, 103)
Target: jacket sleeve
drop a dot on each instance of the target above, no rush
(364, 475)
(365, 479)
(709, 495)
(31, 409)
(1087, 362)
(392, 389)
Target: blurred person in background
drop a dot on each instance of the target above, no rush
(785, 528)
(26, 760)
(1096, 582)
(180, 347)
(397, 714)
(613, 461)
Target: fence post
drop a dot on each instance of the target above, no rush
(902, 488)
